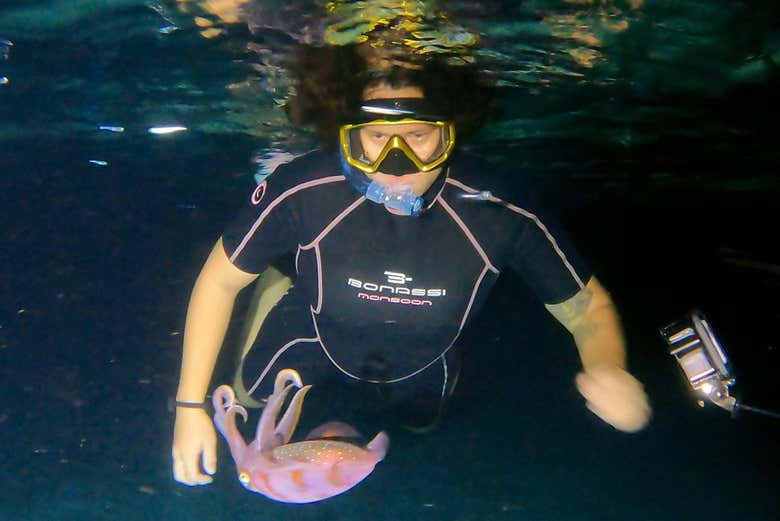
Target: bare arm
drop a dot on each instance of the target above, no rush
(208, 315)
(211, 304)
(610, 391)
(591, 318)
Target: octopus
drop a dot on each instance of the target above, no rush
(317, 468)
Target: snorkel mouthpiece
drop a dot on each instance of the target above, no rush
(397, 196)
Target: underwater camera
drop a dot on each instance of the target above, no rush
(694, 345)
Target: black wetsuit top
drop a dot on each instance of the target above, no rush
(384, 296)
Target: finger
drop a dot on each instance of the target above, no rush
(605, 397)
(184, 475)
(587, 386)
(192, 472)
(606, 416)
(178, 470)
(631, 391)
(632, 417)
(581, 381)
(607, 377)
(598, 411)
(209, 457)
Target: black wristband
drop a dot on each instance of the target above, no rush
(191, 405)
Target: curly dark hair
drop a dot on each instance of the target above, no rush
(328, 84)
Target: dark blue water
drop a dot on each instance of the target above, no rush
(98, 262)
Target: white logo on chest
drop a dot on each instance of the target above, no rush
(396, 285)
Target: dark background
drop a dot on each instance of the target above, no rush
(97, 264)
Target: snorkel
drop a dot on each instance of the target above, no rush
(398, 197)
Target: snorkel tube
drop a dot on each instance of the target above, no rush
(397, 197)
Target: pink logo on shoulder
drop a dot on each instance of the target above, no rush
(258, 194)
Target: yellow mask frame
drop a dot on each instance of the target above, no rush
(396, 142)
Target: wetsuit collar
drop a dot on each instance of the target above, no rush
(430, 195)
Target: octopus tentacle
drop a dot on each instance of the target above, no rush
(286, 426)
(266, 438)
(225, 410)
(222, 398)
(286, 376)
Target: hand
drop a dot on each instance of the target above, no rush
(194, 447)
(615, 396)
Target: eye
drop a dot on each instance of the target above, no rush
(419, 135)
(378, 137)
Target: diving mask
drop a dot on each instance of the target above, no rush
(396, 137)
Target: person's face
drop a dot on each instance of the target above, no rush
(423, 139)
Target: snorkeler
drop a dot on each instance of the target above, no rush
(398, 237)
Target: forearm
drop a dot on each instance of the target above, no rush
(591, 318)
(208, 316)
(599, 338)
(610, 392)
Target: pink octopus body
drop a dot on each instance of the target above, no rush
(300, 472)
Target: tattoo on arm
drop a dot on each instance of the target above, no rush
(570, 310)
(593, 322)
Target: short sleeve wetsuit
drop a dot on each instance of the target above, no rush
(383, 298)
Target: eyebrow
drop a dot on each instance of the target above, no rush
(420, 127)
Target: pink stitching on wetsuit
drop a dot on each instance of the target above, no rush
(468, 234)
(316, 244)
(278, 353)
(535, 219)
(277, 201)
